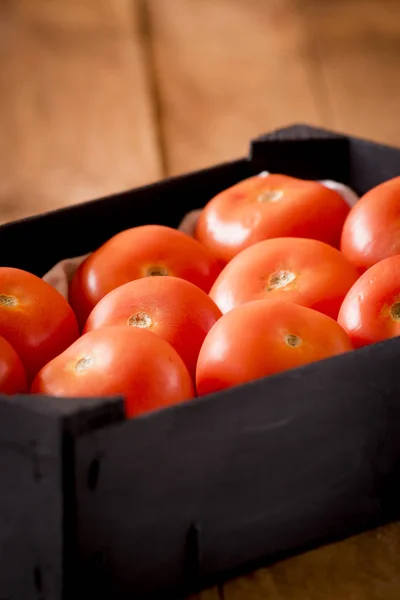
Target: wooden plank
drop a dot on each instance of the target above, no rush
(210, 594)
(76, 118)
(228, 70)
(365, 567)
(357, 43)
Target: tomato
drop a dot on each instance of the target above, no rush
(371, 231)
(145, 251)
(262, 338)
(371, 310)
(260, 208)
(172, 308)
(34, 318)
(118, 360)
(12, 372)
(306, 272)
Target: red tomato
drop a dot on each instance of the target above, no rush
(12, 372)
(372, 229)
(306, 272)
(114, 361)
(34, 317)
(262, 338)
(173, 308)
(371, 310)
(145, 251)
(260, 208)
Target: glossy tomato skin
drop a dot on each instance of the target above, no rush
(119, 360)
(261, 208)
(34, 318)
(262, 338)
(303, 271)
(371, 310)
(149, 250)
(172, 308)
(12, 372)
(371, 231)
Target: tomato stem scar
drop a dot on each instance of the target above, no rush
(83, 364)
(292, 340)
(280, 279)
(270, 196)
(141, 320)
(157, 271)
(8, 300)
(395, 311)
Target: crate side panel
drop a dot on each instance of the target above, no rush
(299, 131)
(37, 490)
(271, 467)
(372, 164)
(31, 504)
(82, 228)
(302, 151)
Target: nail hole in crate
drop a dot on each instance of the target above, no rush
(93, 474)
(192, 560)
(38, 581)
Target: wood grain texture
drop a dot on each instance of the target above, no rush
(365, 567)
(76, 115)
(228, 70)
(214, 593)
(356, 45)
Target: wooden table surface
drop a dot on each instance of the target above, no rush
(97, 96)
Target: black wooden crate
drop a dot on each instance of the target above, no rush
(92, 506)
